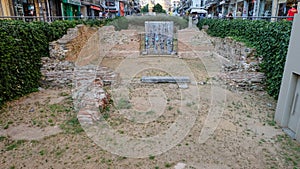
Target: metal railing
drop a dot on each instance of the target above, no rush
(267, 18)
(24, 18)
(53, 18)
(48, 18)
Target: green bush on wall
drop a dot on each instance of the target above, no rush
(22, 45)
(270, 39)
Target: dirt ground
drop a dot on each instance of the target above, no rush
(41, 130)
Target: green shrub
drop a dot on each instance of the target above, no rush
(270, 39)
(140, 21)
(22, 45)
(119, 23)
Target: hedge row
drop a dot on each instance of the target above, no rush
(22, 45)
(270, 39)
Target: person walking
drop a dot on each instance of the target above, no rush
(292, 12)
(239, 14)
(229, 16)
(220, 15)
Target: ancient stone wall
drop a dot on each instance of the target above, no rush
(62, 67)
(242, 69)
(56, 71)
(240, 56)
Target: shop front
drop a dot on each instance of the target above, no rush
(232, 7)
(251, 8)
(31, 9)
(265, 8)
(212, 9)
(223, 8)
(245, 10)
(220, 8)
(55, 7)
(111, 9)
(239, 6)
(260, 9)
(71, 9)
(91, 9)
(24, 7)
(94, 11)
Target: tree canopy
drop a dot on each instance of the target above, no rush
(145, 8)
(158, 8)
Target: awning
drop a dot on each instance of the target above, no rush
(96, 8)
(198, 10)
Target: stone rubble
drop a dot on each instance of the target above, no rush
(58, 49)
(87, 81)
(58, 72)
(242, 69)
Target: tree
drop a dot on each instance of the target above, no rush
(158, 8)
(145, 8)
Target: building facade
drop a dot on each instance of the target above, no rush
(66, 9)
(37, 9)
(250, 8)
(6, 8)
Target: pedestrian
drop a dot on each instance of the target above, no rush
(81, 15)
(100, 15)
(292, 12)
(239, 13)
(104, 14)
(230, 16)
(220, 15)
(209, 16)
(194, 17)
(201, 16)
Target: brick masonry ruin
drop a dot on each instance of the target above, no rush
(87, 81)
(240, 71)
(60, 71)
(242, 67)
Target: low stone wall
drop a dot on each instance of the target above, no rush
(58, 49)
(242, 67)
(58, 72)
(240, 56)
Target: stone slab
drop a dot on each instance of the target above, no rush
(165, 79)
